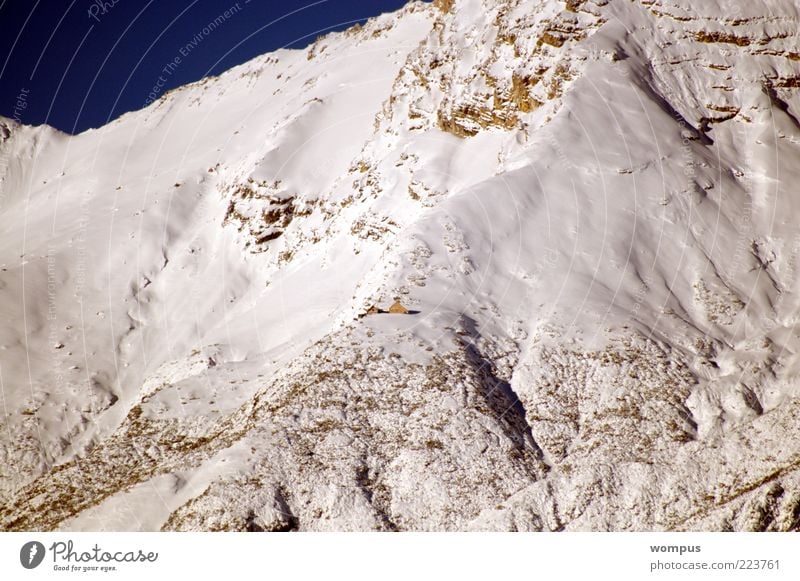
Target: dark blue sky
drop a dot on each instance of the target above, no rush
(76, 64)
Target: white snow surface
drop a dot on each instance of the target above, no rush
(589, 207)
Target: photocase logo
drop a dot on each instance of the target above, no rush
(31, 554)
(101, 7)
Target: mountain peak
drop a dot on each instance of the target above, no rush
(585, 208)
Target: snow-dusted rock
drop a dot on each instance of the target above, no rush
(587, 207)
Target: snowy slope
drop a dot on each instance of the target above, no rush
(588, 206)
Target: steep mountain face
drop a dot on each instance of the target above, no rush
(589, 208)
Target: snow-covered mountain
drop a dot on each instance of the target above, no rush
(589, 207)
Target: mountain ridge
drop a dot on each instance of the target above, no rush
(589, 204)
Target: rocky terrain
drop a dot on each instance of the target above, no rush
(588, 207)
